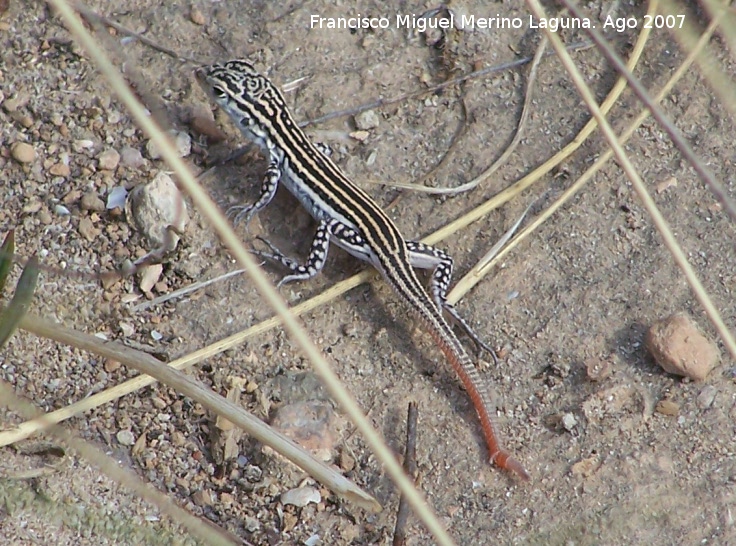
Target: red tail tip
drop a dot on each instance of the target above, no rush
(504, 460)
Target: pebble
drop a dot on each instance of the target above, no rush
(598, 369)
(667, 407)
(23, 152)
(88, 230)
(127, 329)
(586, 467)
(149, 277)
(154, 206)
(666, 184)
(360, 136)
(26, 121)
(140, 445)
(251, 524)
(131, 158)
(226, 499)
(114, 117)
(182, 143)
(253, 473)
(125, 438)
(366, 120)
(289, 521)
(61, 210)
(680, 348)
(111, 365)
(346, 461)
(109, 278)
(32, 207)
(203, 497)
(91, 201)
(196, 17)
(178, 439)
(83, 144)
(707, 396)
(108, 160)
(310, 424)
(116, 198)
(301, 496)
(72, 197)
(14, 104)
(569, 422)
(60, 169)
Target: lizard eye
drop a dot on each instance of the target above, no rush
(219, 93)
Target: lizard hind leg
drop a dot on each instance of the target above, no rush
(428, 257)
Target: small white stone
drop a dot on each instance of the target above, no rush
(150, 276)
(301, 496)
(131, 157)
(569, 421)
(61, 210)
(366, 120)
(81, 145)
(152, 207)
(125, 438)
(182, 143)
(113, 118)
(127, 329)
(116, 198)
(109, 159)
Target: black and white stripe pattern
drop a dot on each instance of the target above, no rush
(349, 217)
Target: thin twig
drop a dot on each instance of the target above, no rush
(260, 281)
(705, 174)
(461, 131)
(182, 383)
(94, 17)
(30, 427)
(206, 532)
(578, 46)
(659, 222)
(186, 290)
(481, 269)
(410, 467)
(400, 98)
(418, 186)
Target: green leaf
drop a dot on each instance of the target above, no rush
(6, 258)
(13, 313)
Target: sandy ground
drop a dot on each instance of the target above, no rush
(582, 290)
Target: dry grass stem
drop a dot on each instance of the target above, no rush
(221, 226)
(659, 222)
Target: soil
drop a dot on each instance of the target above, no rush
(619, 450)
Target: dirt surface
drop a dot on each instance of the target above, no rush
(610, 463)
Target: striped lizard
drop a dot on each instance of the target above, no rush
(350, 219)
